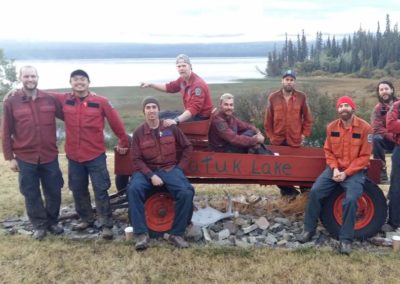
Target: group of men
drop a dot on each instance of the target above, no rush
(161, 151)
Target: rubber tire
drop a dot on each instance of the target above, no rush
(369, 230)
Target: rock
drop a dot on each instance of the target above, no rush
(271, 240)
(242, 244)
(241, 222)
(252, 240)
(233, 228)
(262, 223)
(283, 221)
(249, 229)
(281, 243)
(276, 228)
(224, 234)
(194, 233)
(206, 235)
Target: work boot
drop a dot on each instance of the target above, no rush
(107, 233)
(345, 247)
(39, 234)
(305, 236)
(55, 229)
(82, 225)
(178, 241)
(142, 241)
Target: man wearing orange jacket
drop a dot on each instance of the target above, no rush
(348, 148)
(288, 118)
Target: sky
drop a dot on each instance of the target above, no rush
(189, 21)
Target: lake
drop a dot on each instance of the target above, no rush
(131, 71)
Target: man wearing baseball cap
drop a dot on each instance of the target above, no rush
(196, 95)
(348, 148)
(156, 164)
(288, 118)
(84, 115)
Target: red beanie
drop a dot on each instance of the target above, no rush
(347, 100)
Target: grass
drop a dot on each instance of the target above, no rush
(59, 260)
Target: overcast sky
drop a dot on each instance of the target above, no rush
(188, 21)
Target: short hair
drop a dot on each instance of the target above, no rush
(225, 96)
(27, 67)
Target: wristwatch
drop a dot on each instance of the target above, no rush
(176, 119)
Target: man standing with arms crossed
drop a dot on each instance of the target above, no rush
(348, 147)
(288, 118)
(84, 114)
(29, 144)
(160, 153)
(382, 139)
(195, 94)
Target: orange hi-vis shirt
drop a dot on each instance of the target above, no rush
(348, 149)
(287, 121)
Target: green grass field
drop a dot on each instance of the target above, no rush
(58, 260)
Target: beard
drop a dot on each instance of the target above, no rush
(345, 115)
(388, 100)
(288, 89)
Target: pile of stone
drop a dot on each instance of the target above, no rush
(266, 228)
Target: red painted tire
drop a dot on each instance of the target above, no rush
(371, 212)
(160, 212)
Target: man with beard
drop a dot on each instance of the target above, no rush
(29, 145)
(230, 134)
(382, 139)
(160, 153)
(348, 147)
(288, 118)
(195, 94)
(393, 126)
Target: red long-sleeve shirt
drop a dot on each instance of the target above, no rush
(378, 121)
(287, 121)
(195, 94)
(29, 127)
(226, 130)
(393, 121)
(349, 149)
(84, 125)
(161, 148)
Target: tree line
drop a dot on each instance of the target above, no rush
(364, 54)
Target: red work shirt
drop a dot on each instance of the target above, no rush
(378, 121)
(393, 121)
(348, 149)
(161, 148)
(225, 130)
(84, 126)
(195, 94)
(29, 127)
(287, 120)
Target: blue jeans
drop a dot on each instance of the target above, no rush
(394, 189)
(41, 214)
(380, 144)
(78, 177)
(322, 188)
(176, 183)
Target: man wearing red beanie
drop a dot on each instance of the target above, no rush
(348, 148)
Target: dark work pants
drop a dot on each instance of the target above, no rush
(41, 214)
(176, 183)
(78, 175)
(394, 189)
(322, 188)
(287, 190)
(379, 145)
